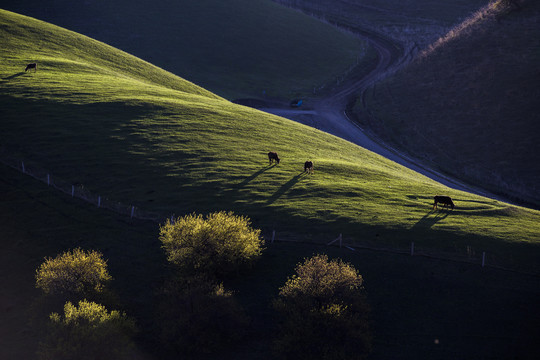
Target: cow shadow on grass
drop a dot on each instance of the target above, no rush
(14, 76)
(253, 176)
(430, 219)
(234, 190)
(285, 187)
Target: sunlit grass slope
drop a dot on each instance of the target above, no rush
(470, 104)
(236, 48)
(131, 132)
(434, 296)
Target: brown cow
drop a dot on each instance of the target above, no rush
(308, 167)
(31, 66)
(445, 200)
(273, 156)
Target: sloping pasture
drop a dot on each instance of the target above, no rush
(135, 133)
(236, 48)
(433, 308)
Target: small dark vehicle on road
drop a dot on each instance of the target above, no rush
(296, 103)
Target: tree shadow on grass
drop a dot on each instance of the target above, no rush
(284, 188)
(14, 76)
(430, 219)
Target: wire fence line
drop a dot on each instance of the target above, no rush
(468, 255)
(77, 190)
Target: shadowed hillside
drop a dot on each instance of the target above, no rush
(413, 22)
(132, 132)
(239, 48)
(469, 104)
(460, 304)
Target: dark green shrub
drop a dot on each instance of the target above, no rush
(88, 331)
(324, 312)
(76, 272)
(215, 245)
(198, 316)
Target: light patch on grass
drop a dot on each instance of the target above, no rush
(141, 136)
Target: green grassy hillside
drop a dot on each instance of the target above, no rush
(459, 304)
(237, 49)
(469, 104)
(129, 131)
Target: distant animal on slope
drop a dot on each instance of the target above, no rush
(273, 156)
(31, 66)
(308, 167)
(445, 200)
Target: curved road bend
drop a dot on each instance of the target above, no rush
(328, 114)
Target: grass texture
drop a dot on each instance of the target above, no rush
(132, 132)
(469, 103)
(415, 300)
(235, 48)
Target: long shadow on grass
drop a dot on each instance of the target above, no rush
(253, 176)
(13, 76)
(284, 188)
(233, 192)
(430, 219)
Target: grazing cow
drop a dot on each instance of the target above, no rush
(31, 66)
(272, 156)
(445, 200)
(308, 167)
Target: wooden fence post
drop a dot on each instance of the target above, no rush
(23, 169)
(72, 190)
(273, 236)
(99, 201)
(339, 238)
(483, 258)
(48, 179)
(132, 210)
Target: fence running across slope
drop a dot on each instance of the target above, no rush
(468, 255)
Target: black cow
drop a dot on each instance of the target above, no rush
(31, 66)
(308, 167)
(445, 200)
(273, 156)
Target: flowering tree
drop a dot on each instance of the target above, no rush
(215, 245)
(76, 272)
(324, 312)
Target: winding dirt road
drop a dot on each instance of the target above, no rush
(328, 114)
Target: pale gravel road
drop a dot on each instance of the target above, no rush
(328, 115)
